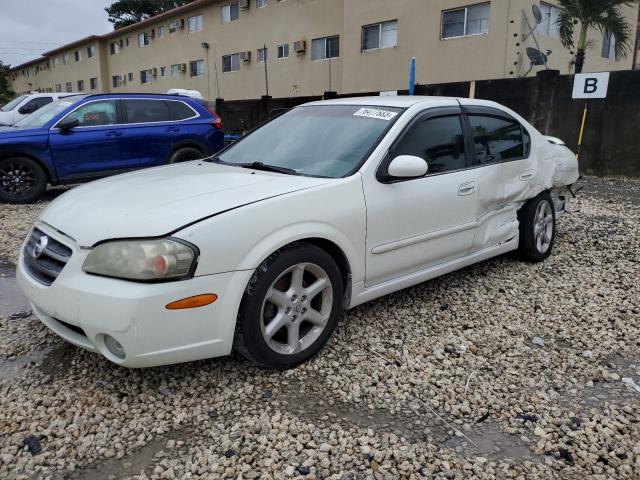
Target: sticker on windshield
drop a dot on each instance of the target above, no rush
(375, 113)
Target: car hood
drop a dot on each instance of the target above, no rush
(160, 201)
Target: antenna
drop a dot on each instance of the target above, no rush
(536, 58)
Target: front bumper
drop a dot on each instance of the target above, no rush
(83, 308)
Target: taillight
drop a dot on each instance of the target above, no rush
(217, 121)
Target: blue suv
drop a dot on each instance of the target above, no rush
(85, 137)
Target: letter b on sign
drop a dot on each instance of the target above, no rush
(590, 85)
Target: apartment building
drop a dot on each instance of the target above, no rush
(312, 46)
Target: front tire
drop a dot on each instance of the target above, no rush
(290, 307)
(22, 180)
(185, 154)
(537, 219)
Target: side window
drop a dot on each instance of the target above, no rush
(42, 101)
(95, 114)
(439, 141)
(145, 111)
(498, 138)
(180, 110)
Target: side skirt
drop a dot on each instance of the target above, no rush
(362, 294)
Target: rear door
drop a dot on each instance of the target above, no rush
(505, 171)
(91, 148)
(150, 133)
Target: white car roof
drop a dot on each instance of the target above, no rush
(402, 101)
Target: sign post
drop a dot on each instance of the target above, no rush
(587, 86)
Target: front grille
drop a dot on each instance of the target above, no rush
(46, 266)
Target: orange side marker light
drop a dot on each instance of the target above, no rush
(193, 302)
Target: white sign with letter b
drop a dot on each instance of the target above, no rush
(590, 85)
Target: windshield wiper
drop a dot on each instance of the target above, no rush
(268, 168)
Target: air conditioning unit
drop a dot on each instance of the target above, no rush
(245, 56)
(183, 67)
(154, 72)
(151, 33)
(300, 46)
(245, 4)
(181, 23)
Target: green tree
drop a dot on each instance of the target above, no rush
(603, 15)
(127, 12)
(6, 93)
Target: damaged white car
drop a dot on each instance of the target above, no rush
(261, 248)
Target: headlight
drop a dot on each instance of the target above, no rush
(143, 260)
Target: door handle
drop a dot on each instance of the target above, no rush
(173, 129)
(526, 176)
(113, 133)
(466, 189)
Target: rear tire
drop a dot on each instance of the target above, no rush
(537, 219)
(290, 307)
(185, 154)
(22, 180)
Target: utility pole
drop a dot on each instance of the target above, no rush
(266, 72)
(205, 45)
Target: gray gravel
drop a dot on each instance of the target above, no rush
(501, 370)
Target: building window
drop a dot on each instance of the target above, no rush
(56, 60)
(80, 85)
(78, 55)
(93, 83)
(461, 22)
(231, 63)
(163, 71)
(143, 39)
(608, 45)
(130, 77)
(262, 54)
(195, 23)
(261, 3)
(91, 51)
(380, 35)
(146, 76)
(230, 13)
(196, 68)
(65, 59)
(68, 87)
(173, 26)
(283, 51)
(549, 24)
(126, 42)
(116, 81)
(114, 48)
(175, 70)
(327, 47)
(161, 31)
(58, 88)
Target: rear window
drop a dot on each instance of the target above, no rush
(180, 110)
(498, 138)
(146, 111)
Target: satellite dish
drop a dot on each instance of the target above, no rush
(536, 56)
(537, 13)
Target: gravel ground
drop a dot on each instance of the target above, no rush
(501, 370)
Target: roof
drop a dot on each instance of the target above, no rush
(401, 101)
(116, 33)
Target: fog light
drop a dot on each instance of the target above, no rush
(114, 346)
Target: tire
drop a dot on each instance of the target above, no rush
(185, 154)
(313, 316)
(537, 219)
(22, 180)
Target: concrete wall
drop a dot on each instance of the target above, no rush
(500, 53)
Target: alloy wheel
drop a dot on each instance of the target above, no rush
(543, 226)
(17, 179)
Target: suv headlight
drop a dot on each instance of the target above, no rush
(143, 260)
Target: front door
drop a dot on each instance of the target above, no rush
(91, 148)
(419, 223)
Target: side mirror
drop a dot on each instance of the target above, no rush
(68, 124)
(407, 166)
(27, 109)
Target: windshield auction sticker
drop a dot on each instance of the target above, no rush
(375, 113)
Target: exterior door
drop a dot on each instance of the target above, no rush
(419, 223)
(91, 148)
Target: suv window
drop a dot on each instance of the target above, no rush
(438, 140)
(498, 138)
(145, 111)
(102, 112)
(180, 110)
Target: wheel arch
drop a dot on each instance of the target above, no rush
(189, 143)
(51, 176)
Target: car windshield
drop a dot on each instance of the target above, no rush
(13, 103)
(317, 140)
(45, 114)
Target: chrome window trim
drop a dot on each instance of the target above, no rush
(114, 125)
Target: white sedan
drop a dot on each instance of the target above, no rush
(262, 247)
